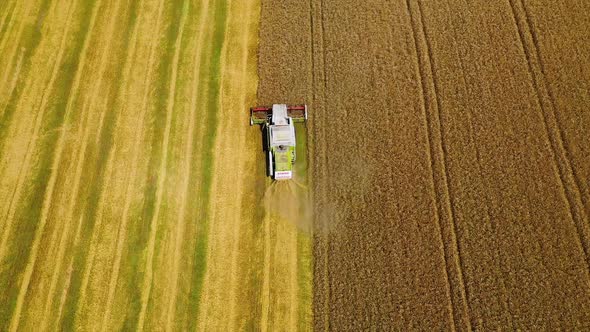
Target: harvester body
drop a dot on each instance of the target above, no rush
(278, 126)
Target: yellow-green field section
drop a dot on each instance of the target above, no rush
(132, 190)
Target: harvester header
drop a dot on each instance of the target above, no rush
(278, 127)
(263, 114)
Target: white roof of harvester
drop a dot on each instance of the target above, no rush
(282, 131)
(279, 114)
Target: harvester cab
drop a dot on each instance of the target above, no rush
(280, 142)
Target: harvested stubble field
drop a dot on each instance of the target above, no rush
(132, 191)
(449, 158)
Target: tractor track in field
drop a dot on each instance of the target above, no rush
(569, 181)
(437, 161)
(183, 197)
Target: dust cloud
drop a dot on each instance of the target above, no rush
(289, 201)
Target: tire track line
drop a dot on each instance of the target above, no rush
(138, 139)
(423, 78)
(147, 281)
(472, 130)
(181, 222)
(564, 150)
(242, 137)
(418, 32)
(82, 150)
(442, 150)
(565, 174)
(38, 233)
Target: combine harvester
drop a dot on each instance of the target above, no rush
(278, 127)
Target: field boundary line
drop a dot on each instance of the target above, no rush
(181, 221)
(162, 173)
(122, 232)
(316, 236)
(570, 189)
(14, 322)
(326, 180)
